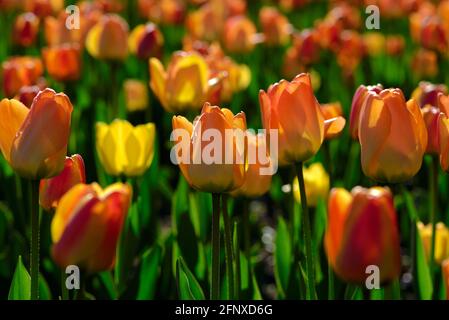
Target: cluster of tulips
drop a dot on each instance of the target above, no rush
(100, 165)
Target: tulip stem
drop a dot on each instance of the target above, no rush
(228, 248)
(215, 282)
(34, 247)
(310, 262)
(433, 212)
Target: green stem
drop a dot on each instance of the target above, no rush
(64, 291)
(238, 275)
(34, 253)
(433, 213)
(215, 282)
(228, 248)
(310, 262)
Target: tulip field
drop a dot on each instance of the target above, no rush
(224, 150)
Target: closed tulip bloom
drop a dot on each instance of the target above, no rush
(26, 28)
(51, 190)
(136, 95)
(34, 141)
(276, 27)
(427, 93)
(443, 131)
(184, 85)
(63, 62)
(19, 72)
(316, 181)
(425, 63)
(394, 45)
(357, 102)
(27, 94)
(124, 149)
(108, 39)
(292, 109)
(257, 182)
(146, 41)
(392, 135)
(216, 175)
(239, 34)
(441, 240)
(374, 43)
(431, 115)
(362, 230)
(87, 225)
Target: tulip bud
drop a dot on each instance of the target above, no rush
(362, 231)
(124, 149)
(316, 181)
(441, 240)
(293, 107)
(146, 41)
(136, 95)
(26, 28)
(392, 135)
(34, 141)
(218, 174)
(185, 84)
(87, 224)
(63, 62)
(19, 72)
(51, 190)
(108, 39)
(239, 34)
(257, 183)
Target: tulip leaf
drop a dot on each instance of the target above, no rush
(149, 273)
(21, 283)
(44, 289)
(423, 271)
(249, 289)
(188, 286)
(282, 257)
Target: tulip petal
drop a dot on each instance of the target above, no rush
(158, 80)
(13, 114)
(333, 127)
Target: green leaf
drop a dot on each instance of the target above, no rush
(149, 273)
(21, 283)
(282, 257)
(188, 286)
(423, 272)
(44, 289)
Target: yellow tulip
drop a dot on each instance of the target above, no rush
(124, 149)
(316, 181)
(441, 240)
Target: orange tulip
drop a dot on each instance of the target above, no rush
(63, 62)
(146, 41)
(136, 95)
(211, 175)
(443, 131)
(26, 28)
(51, 190)
(357, 102)
(239, 34)
(362, 231)
(43, 8)
(256, 182)
(276, 27)
(19, 72)
(108, 39)
(445, 268)
(87, 225)
(425, 63)
(394, 45)
(392, 135)
(334, 113)
(292, 109)
(34, 141)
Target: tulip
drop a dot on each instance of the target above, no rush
(333, 114)
(425, 63)
(34, 141)
(357, 103)
(185, 85)
(136, 95)
(374, 43)
(63, 62)
(43, 8)
(362, 231)
(146, 41)
(108, 39)
(276, 27)
(443, 131)
(427, 93)
(124, 149)
(431, 115)
(19, 72)
(26, 28)
(257, 183)
(239, 34)
(218, 176)
(87, 224)
(292, 109)
(392, 135)
(27, 94)
(394, 45)
(441, 240)
(316, 182)
(445, 268)
(51, 190)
